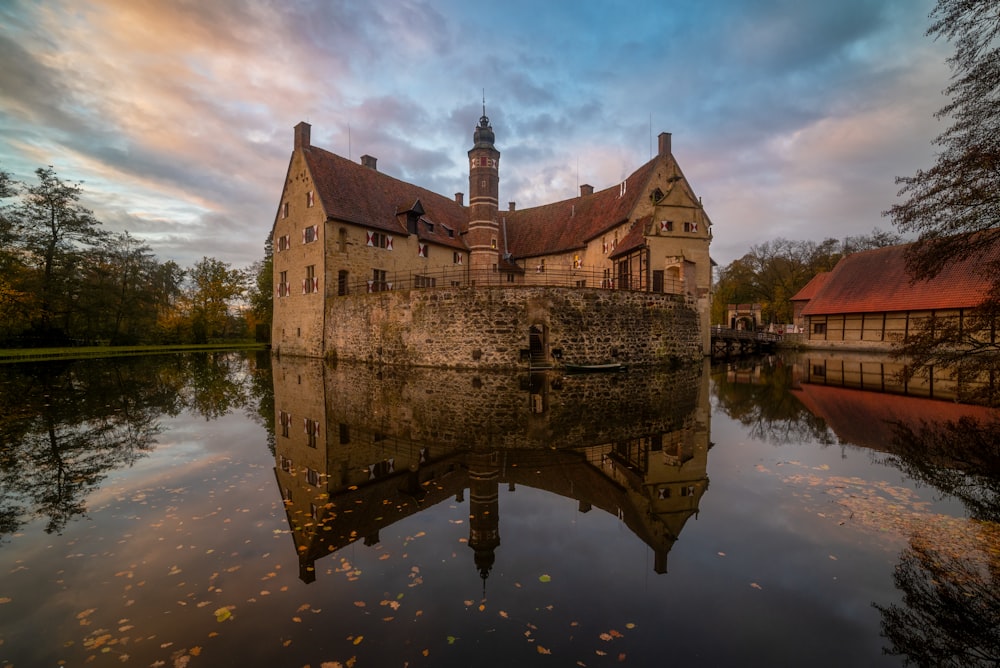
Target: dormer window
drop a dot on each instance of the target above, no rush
(656, 196)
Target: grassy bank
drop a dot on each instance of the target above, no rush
(32, 354)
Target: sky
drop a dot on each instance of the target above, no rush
(790, 118)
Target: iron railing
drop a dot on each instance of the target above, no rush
(550, 277)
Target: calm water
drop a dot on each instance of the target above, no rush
(225, 509)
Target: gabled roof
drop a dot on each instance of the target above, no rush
(811, 288)
(567, 225)
(877, 281)
(635, 239)
(357, 194)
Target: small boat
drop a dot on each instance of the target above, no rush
(594, 368)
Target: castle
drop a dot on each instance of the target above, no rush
(369, 267)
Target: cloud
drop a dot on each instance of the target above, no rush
(789, 118)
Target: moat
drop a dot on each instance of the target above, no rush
(237, 509)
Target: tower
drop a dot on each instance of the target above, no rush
(484, 204)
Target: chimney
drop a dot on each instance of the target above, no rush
(586, 189)
(459, 197)
(664, 143)
(369, 162)
(511, 206)
(302, 135)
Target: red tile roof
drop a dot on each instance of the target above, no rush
(354, 193)
(877, 281)
(864, 418)
(635, 239)
(811, 288)
(364, 196)
(570, 224)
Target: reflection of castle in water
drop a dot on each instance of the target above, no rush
(358, 449)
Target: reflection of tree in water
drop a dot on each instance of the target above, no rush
(64, 426)
(758, 395)
(950, 615)
(960, 458)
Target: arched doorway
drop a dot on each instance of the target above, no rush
(538, 345)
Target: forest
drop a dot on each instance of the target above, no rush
(65, 280)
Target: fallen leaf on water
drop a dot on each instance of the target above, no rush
(222, 614)
(755, 585)
(357, 641)
(606, 637)
(542, 650)
(545, 578)
(503, 614)
(451, 640)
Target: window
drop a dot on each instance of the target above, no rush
(541, 266)
(690, 227)
(657, 280)
(493, 243)
(283, 290)
(311, 282)
(424, 281)
(312, 477)
(430, 226)
(576, 262)
(378, 282)
(342, 282)
(819, 328)
(456, 257)
(510, 277)
(606, 280)
(310, 198)
(379, 240)
(311, 428)
(451, 233)
(310, 234)
(666, 226)
(286, 464)
(494, 267)
(421, 249)
(284, 209)
(284, 242)
(284, 419)
(581, 284)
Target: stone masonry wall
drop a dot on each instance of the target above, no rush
(477, 327)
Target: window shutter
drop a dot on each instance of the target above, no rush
(371, 285)
(315, 284)
(388, 242)
(421, 250)
(371, 238)
(304, 285)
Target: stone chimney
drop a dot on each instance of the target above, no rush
(302, 135)
(459, 197)
(511, 206)
(586, 189)
(664, 143)
(369, 162)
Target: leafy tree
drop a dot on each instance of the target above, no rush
(260, 293)
(774, 271)
(214, 285)
(53, 227)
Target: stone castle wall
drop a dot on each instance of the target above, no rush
(477, 327)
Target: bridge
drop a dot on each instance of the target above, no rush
(728, 342)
